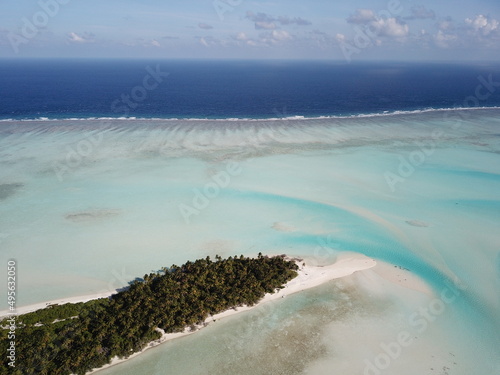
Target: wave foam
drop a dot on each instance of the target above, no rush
(249, 119)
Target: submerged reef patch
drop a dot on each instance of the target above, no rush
(7, 190)
(417, 223)
(90, 215)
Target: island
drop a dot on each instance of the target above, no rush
(84, 337)
(77, 338)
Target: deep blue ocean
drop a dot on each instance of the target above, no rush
(59, 89)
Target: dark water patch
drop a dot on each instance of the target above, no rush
(8, 190)
(91, 215)
(417, 223)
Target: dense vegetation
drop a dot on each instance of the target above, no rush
(76, 338)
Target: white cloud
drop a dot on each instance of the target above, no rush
(85, 38)
(204, 42)
(281, 35)
(208, 41)
(145, 43)
(446, 24)
(476, 32)
(273, 38)
(73, 37)
(390, 27)
(362, 16)
(380, 26)
(482, 25)
(268, 22)
(241, 36)
(341, 38)
(444, 40)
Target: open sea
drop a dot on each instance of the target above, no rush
(62, 89)
(110, 169)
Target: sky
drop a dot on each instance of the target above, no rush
(354, 30)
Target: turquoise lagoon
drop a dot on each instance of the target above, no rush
(88, 205)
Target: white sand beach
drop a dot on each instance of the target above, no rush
(37, 306)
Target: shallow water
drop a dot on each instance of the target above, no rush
(342, 326)
(86, 206)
